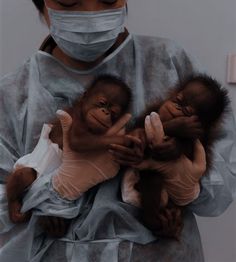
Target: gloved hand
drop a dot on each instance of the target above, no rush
(77, 172)
(119, 127)
(131, 152)
(182, 175)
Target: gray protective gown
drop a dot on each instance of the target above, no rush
(106, 228)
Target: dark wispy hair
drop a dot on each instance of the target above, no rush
(116, 81)
(39, 5)
(217, 100)
(108, 79)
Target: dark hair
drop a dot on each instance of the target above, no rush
(39, 5)
(114, 80)
(216, 102)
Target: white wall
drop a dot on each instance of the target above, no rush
(21, 33)
(206, 28)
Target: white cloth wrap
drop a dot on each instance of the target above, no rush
(76, 172)
(45, 157)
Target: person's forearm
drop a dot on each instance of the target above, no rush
(218, 187)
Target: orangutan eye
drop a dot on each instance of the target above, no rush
(179, 100)
(187, 111)
(115, 111)
(115, 114)
(102, 103)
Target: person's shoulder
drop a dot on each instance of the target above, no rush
(160, 49)
(157, 42)
(16, 79)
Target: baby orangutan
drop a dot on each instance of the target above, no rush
(191, 111)
(84, 132)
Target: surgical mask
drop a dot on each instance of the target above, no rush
(86, 35)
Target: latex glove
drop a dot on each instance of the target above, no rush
(154, 130)
(130, 153)
(119, 127)
(132, 150)
(182, 175)
(76, 174)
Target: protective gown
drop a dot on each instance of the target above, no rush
(106, 229)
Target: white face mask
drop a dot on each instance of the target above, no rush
(86, 35)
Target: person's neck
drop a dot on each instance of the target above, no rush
(81, 65)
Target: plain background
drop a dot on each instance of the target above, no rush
(205, 28)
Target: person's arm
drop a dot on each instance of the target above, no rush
(218, 187)
(181, 176)
(71, 160)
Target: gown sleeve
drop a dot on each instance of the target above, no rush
(12, 118)
(218, 187)
(11, 145)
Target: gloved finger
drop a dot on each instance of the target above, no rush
(66, 122)
(133, 140)
(65, 119)
(199, 156)
(148, 129)
(157, 128)
(121, 132)
(119, 125)
(154, 129)
(140, 133)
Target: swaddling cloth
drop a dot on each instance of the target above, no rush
(74, 173)
(46, 156)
